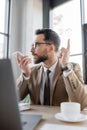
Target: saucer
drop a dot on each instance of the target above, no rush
(81, 117)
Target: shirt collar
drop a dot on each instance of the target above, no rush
(52, 68)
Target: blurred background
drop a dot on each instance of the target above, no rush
(20, 18)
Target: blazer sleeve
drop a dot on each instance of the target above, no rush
(75, 87)
(28, 86)
(22, 86)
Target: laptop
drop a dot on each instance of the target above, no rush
(10, 116)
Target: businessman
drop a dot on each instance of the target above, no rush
(53, 79)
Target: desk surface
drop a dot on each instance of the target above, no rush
(48, 113)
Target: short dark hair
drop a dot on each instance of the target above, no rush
(50, 36)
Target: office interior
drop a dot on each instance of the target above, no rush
(20, 18)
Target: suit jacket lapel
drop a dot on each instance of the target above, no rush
(39, 81)
(57, 73)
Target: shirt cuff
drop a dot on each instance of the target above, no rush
(66, 73)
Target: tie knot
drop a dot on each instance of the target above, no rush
(48, 71)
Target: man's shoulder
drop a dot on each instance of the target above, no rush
(36, 67)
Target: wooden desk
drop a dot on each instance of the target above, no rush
(48, 116)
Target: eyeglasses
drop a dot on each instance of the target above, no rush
(36, 44)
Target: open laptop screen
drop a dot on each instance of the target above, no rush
(9, 112)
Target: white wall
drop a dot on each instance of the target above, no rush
(26, 17)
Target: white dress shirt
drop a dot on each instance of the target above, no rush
(52, 69)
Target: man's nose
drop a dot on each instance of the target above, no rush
(33, 50)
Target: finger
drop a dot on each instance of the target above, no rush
(68, 45)
(25, 60)
(26, 63)
(59, 55)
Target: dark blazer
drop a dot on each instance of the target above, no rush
(63, 88)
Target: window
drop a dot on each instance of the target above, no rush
(85, 11)
(4, 27)
(67, 23)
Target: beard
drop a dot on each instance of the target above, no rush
(40, 59)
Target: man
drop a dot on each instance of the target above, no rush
(65, 79)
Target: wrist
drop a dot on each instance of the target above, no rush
(64, 64)
(26, 74)
(67, 67)
(64, 68)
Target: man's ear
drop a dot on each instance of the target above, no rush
(52, 47)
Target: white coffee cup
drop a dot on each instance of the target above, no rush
(70, 110)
